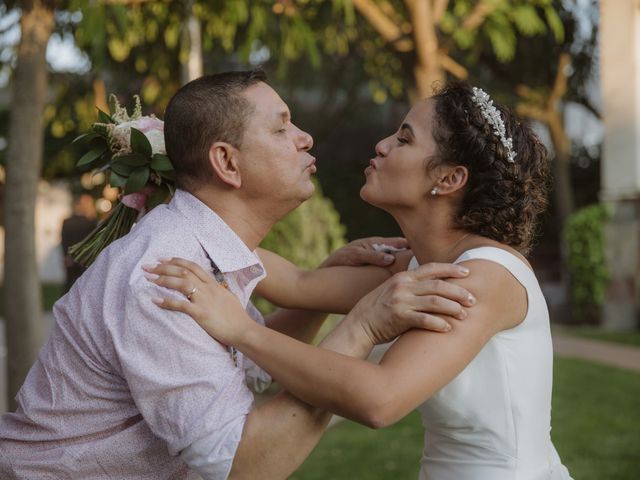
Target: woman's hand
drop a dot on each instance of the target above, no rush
(216, 309)
(414, 299)
(364, 252)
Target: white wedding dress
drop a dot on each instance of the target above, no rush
(493, 421)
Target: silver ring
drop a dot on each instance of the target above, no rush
(191, 293)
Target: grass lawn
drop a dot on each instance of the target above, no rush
(593, 333)
(596, 429)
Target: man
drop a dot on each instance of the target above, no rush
(123, 389)
(80, 224)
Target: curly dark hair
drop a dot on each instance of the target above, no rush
(502, 200)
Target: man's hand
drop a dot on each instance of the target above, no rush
(362, 252)
(413, 299)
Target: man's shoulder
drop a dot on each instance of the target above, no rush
(161, 233)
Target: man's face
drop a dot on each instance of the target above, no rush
(276, 166)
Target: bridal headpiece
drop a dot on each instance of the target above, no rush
(492, 115)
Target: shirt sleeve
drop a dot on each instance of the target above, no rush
(184, 382)
(212, 456)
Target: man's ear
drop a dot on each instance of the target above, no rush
(453, 180)
(223, 158)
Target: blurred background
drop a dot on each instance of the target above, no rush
(349, 70)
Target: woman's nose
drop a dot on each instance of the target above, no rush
(382, 147)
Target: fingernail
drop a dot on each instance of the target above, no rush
(472, 299)
(148, 266)
(388, 258)
(462, 314)
(151, 276)
(157, 300)
(464, 270)
(447, 328)
(165, 259)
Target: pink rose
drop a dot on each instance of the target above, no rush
(146, 124)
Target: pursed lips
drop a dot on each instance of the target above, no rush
(311, 163)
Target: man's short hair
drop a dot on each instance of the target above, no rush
(204, 111)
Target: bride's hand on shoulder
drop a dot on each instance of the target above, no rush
(210, 304)
(420, 298)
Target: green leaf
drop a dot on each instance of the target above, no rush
(116, 180)
(137, 180)
(122, 169)
(502, 37)
(91, 156)
(132, 160)
(86, 137)
(120, 14)
(527, 20)
(555, 23)
(100, 130)
(168, 174)
(103, 117)
(161, 163)
(139, 142)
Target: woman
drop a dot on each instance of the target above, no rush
(465, 180)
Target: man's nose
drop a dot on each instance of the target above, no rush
(304, 141)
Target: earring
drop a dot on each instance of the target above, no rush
(434, 191)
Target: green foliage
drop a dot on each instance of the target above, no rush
(307, 235)
(507, 20)
(584, 236)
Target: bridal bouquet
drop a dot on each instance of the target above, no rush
(130, 150)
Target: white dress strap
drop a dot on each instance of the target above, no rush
(508, 260)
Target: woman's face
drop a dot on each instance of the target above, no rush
(398, 176)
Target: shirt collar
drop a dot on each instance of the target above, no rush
(220, 242)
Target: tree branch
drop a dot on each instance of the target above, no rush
(378, 20)
(533, 112)
(477, 15)
(560, 84)
(453, 67)
(424, 31)
(530, 95)
(439, 7)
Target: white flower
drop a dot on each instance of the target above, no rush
(153, 129)
(150, 126)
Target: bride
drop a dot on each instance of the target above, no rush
(465, 180)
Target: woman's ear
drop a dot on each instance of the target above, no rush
(223, 158)
(453, 180)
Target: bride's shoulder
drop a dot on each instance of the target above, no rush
(499, 294)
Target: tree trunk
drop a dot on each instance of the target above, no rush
(23, 311)
(427, 71)
(191, 55)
